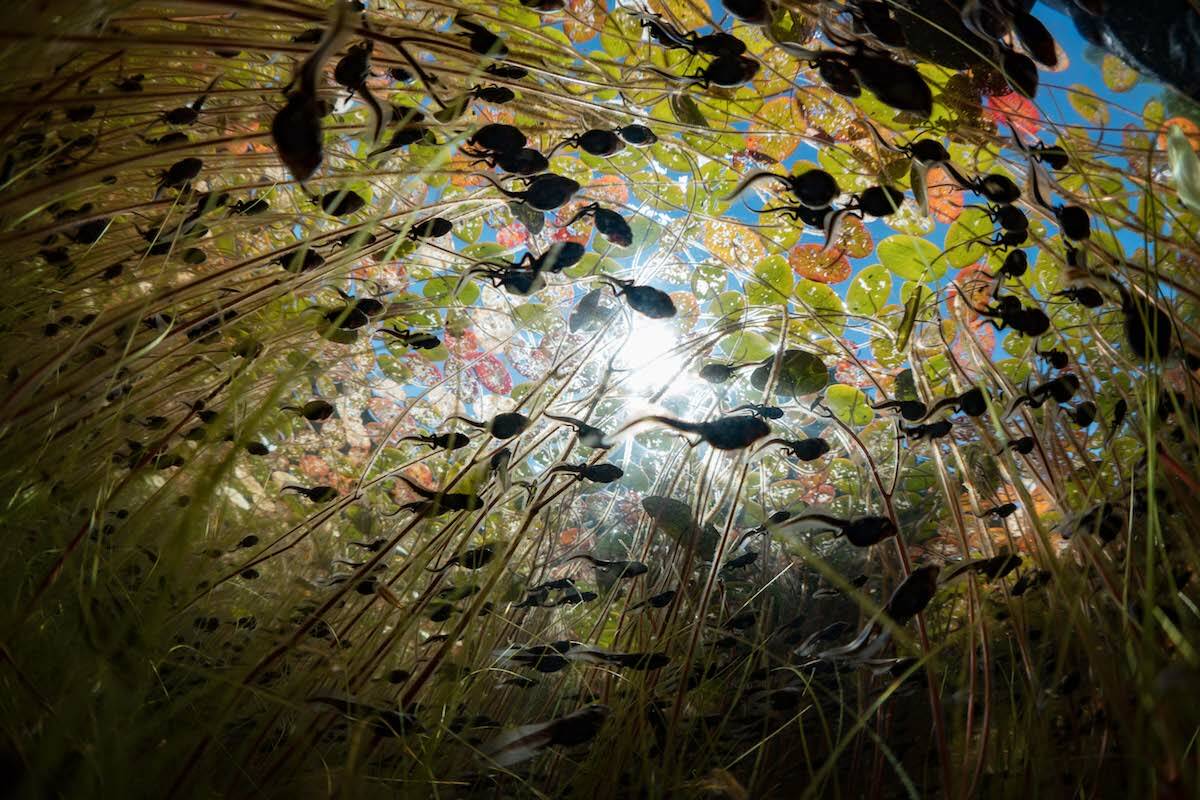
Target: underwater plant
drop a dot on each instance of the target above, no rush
(553, 398)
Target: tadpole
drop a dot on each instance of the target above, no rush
(313, 410)
(545, 192)
(726, 433)
(501, 426)
(316, 494)
(440, 441)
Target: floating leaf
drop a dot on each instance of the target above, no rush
(814, 262)
(492, 373)
(1117, 76)
(1015, 110)
(849, 405)
(910, 257)
(1185, 168)
(800, 373)
(854, 240)
(945, 196)
(868, 292)
(1087, 105)
(966, 237)
(776, 274)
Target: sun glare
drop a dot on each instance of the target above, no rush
(649, 354)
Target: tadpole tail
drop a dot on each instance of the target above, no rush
(962, 296)
(468, 421)
(668, 76)
(776, 442)
(594, 561)
(879, 140)
(947, 402)
(506, 192)
(833, 226)
(566, 420)
(958, 177)
(380, 115)
(1037, 190)
(678, 424)
(331, 40)
(553, 150)
(747, 181)
(416, 487)
(413, 438)
(198, 105)
(833, 522)
(583, 212)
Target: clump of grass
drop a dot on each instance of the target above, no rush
(191, 330)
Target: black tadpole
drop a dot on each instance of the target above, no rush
(313, 410)
(727, 433)
(316, 494)
(501, 426)
(809, 449)
(475, 558)
(913, 595)
(296, 128)
(436, 503)
(588, 435)
(646, 300)
(859, 531)
(596, 473)
(660, 600)
(440, 441)
(911, 410)
(621, 569)
(545, 192)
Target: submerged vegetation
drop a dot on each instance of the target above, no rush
(544, 399)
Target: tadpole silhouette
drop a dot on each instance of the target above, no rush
(660, 600)
(316, 494)
(545, 192)
(1025, 320)
(596, 473)
(911, 410)
(434, 503)
(813, 188)
(440, 441)
(296, 128)
(727, 433)
(809, 449)
(415, 339)
(480, 39)
(597, 142)
(186, 115)
(1000, 511)
(501, 426)
(760, 410)
(619, 568)
(646, 300)
(472, 559)
(313, 410)
(862, 531)
(609, 224)
(913, 595)
(587, 435)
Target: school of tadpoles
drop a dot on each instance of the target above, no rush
(236, 260)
